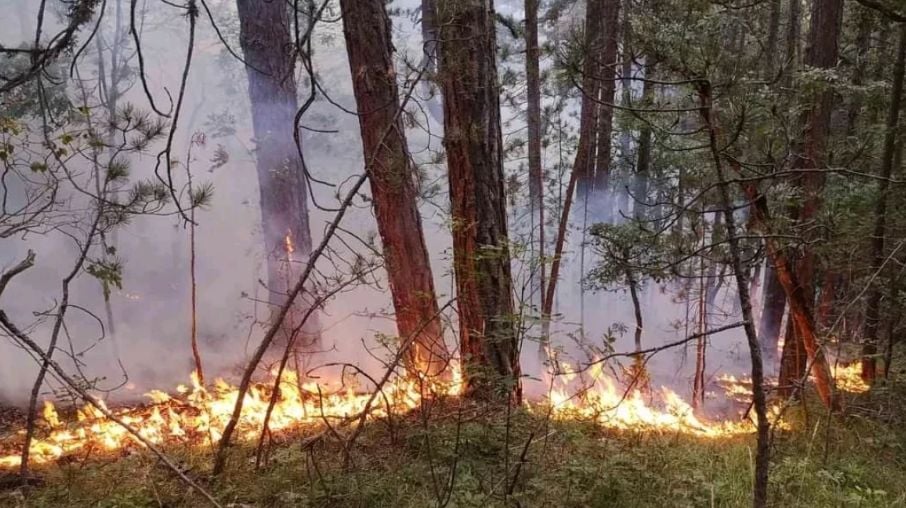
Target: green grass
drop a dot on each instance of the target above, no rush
(856, 461)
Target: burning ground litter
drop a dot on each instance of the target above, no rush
(197, 414)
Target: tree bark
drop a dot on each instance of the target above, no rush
(774, 304)
(473, 143)
(368, 33)
(821, 53)
(607, 78)
(264, 35)
(591, 87)
(800, 312)
(770, 58)
(873, 307)
(643, 164)
(536, 174)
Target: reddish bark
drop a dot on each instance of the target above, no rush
(473, 143)
(393, 187)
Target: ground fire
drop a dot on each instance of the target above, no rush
(197, 414)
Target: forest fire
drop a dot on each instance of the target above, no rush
(198, 414)
(847, 377)
(635, 408)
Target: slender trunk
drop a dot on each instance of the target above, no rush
(770, 50)
(800, 309)
(392, 175)
(762, 452)
(873, 308)
(536, 173)
(793, 29)
(473, 142)
(643, 166)
(264, 34)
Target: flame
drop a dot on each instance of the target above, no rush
(288, 243)
(198, 414)
(603, 401)
(848, 377)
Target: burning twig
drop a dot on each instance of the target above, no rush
(97, 404)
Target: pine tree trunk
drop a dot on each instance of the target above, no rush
(873, 308)
(264, 34)
(591, 87)
(643, 164)
(393, 187)
(533, 120)
(607, 79)
(473, 142)
(821, 53)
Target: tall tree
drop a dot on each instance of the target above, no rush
(264, 34)
(822, 53)
(607, 75)
(873, 309)
(591, 86)
(533, 122)
(473, 143)
(392, 175)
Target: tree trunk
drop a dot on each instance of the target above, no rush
(607, 79)
(873, 308)
(264, 34)
(473, 142)
(762, 451)
(368, 43)
(793, 33)
(821, 53)
(643, 166)
(774, 303)
(770, 52)
(800, 308)
(536, 175)
(591, 86)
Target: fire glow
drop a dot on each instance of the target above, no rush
(198, 414)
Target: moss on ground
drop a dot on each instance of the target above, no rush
(857, 460)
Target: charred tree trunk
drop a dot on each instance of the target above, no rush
(393, 187)
(264, 34)
(536, 175)
(607, 79)
(473, 142)
(873, 308)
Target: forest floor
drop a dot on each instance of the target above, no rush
(857, 459)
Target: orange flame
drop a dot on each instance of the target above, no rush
(197, 414)
(288, 243)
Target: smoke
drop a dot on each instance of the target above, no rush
(149, 347)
